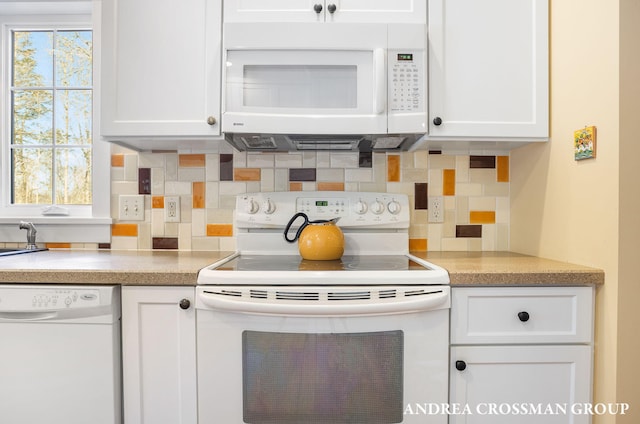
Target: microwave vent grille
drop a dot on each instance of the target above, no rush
(259, 142)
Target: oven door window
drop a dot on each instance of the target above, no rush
(322, 378)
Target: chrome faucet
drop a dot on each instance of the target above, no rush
(31, 234)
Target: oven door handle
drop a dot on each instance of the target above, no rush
(432, 300)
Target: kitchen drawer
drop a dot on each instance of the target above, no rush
(519, 315)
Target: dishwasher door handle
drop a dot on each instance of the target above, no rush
(28, 316)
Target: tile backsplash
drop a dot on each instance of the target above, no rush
(475, 190)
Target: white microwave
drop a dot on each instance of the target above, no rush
(324, 86)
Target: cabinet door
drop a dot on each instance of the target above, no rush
(159, 355)
(274, 11)
(488, 68)
(523, 384)
(376, 11)
(161, 68)
(521, 315)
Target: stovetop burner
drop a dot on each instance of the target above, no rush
(266, 263)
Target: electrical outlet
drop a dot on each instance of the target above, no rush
(436, 209)
(131, 207)
(172, 209)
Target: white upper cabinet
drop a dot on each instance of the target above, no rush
(488, 69)
(385, 11)
(161, 68)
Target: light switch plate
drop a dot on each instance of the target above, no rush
(131, 207)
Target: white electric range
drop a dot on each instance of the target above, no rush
(286, 340)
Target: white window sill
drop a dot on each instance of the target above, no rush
(58, 230)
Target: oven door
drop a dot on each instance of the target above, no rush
(309, 355)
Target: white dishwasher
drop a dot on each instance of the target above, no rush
(60, 354)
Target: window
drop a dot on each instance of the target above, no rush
(54, 169)
(51, 115)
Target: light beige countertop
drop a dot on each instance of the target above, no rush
(163, 267)
(506, 268)
(125, 267)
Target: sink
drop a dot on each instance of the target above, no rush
(19, 251)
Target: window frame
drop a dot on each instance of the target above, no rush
(84, 223)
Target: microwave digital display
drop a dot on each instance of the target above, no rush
(322, 203)
(405, 56)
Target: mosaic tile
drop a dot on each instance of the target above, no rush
(503, 169)
(475, 189)
(328, 186)
(330, 174)
(246, 174)
(130, 230)
(448, 182)
(191, 160)
(468, 231)
(302, 174)
(420, 196)
(165, 243)
(131, 167)
(226, 167)
(365, 160)
(219, 230)
(191, 174)
(260, 160)
(418, 245)
(117, 160)
(393, 168)
(198, 195)
(358, 175)
(157, 202)
(482, 217)
(344, 160)
(482, 161)
(144, 180)
(58, 245)
(442, 162)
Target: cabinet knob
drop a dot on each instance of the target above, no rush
(437, 121)
(317, 8)
(331, 8)
(185, 304)
(211, 120)
(523, 316)
(461, 365)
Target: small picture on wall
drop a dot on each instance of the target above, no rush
(584, 143)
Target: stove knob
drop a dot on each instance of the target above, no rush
(377, 207)
(268, 207)
(251, 207)
(394, 207)
(361, 207)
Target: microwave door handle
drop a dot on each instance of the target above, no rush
(380, 80)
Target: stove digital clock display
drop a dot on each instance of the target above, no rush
(322, 203)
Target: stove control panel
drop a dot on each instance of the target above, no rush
(355, 209)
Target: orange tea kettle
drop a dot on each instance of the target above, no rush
(320, 240)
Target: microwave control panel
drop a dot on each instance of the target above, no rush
(406, 81)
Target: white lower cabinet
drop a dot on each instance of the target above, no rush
(159, 355)
(521, 355)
